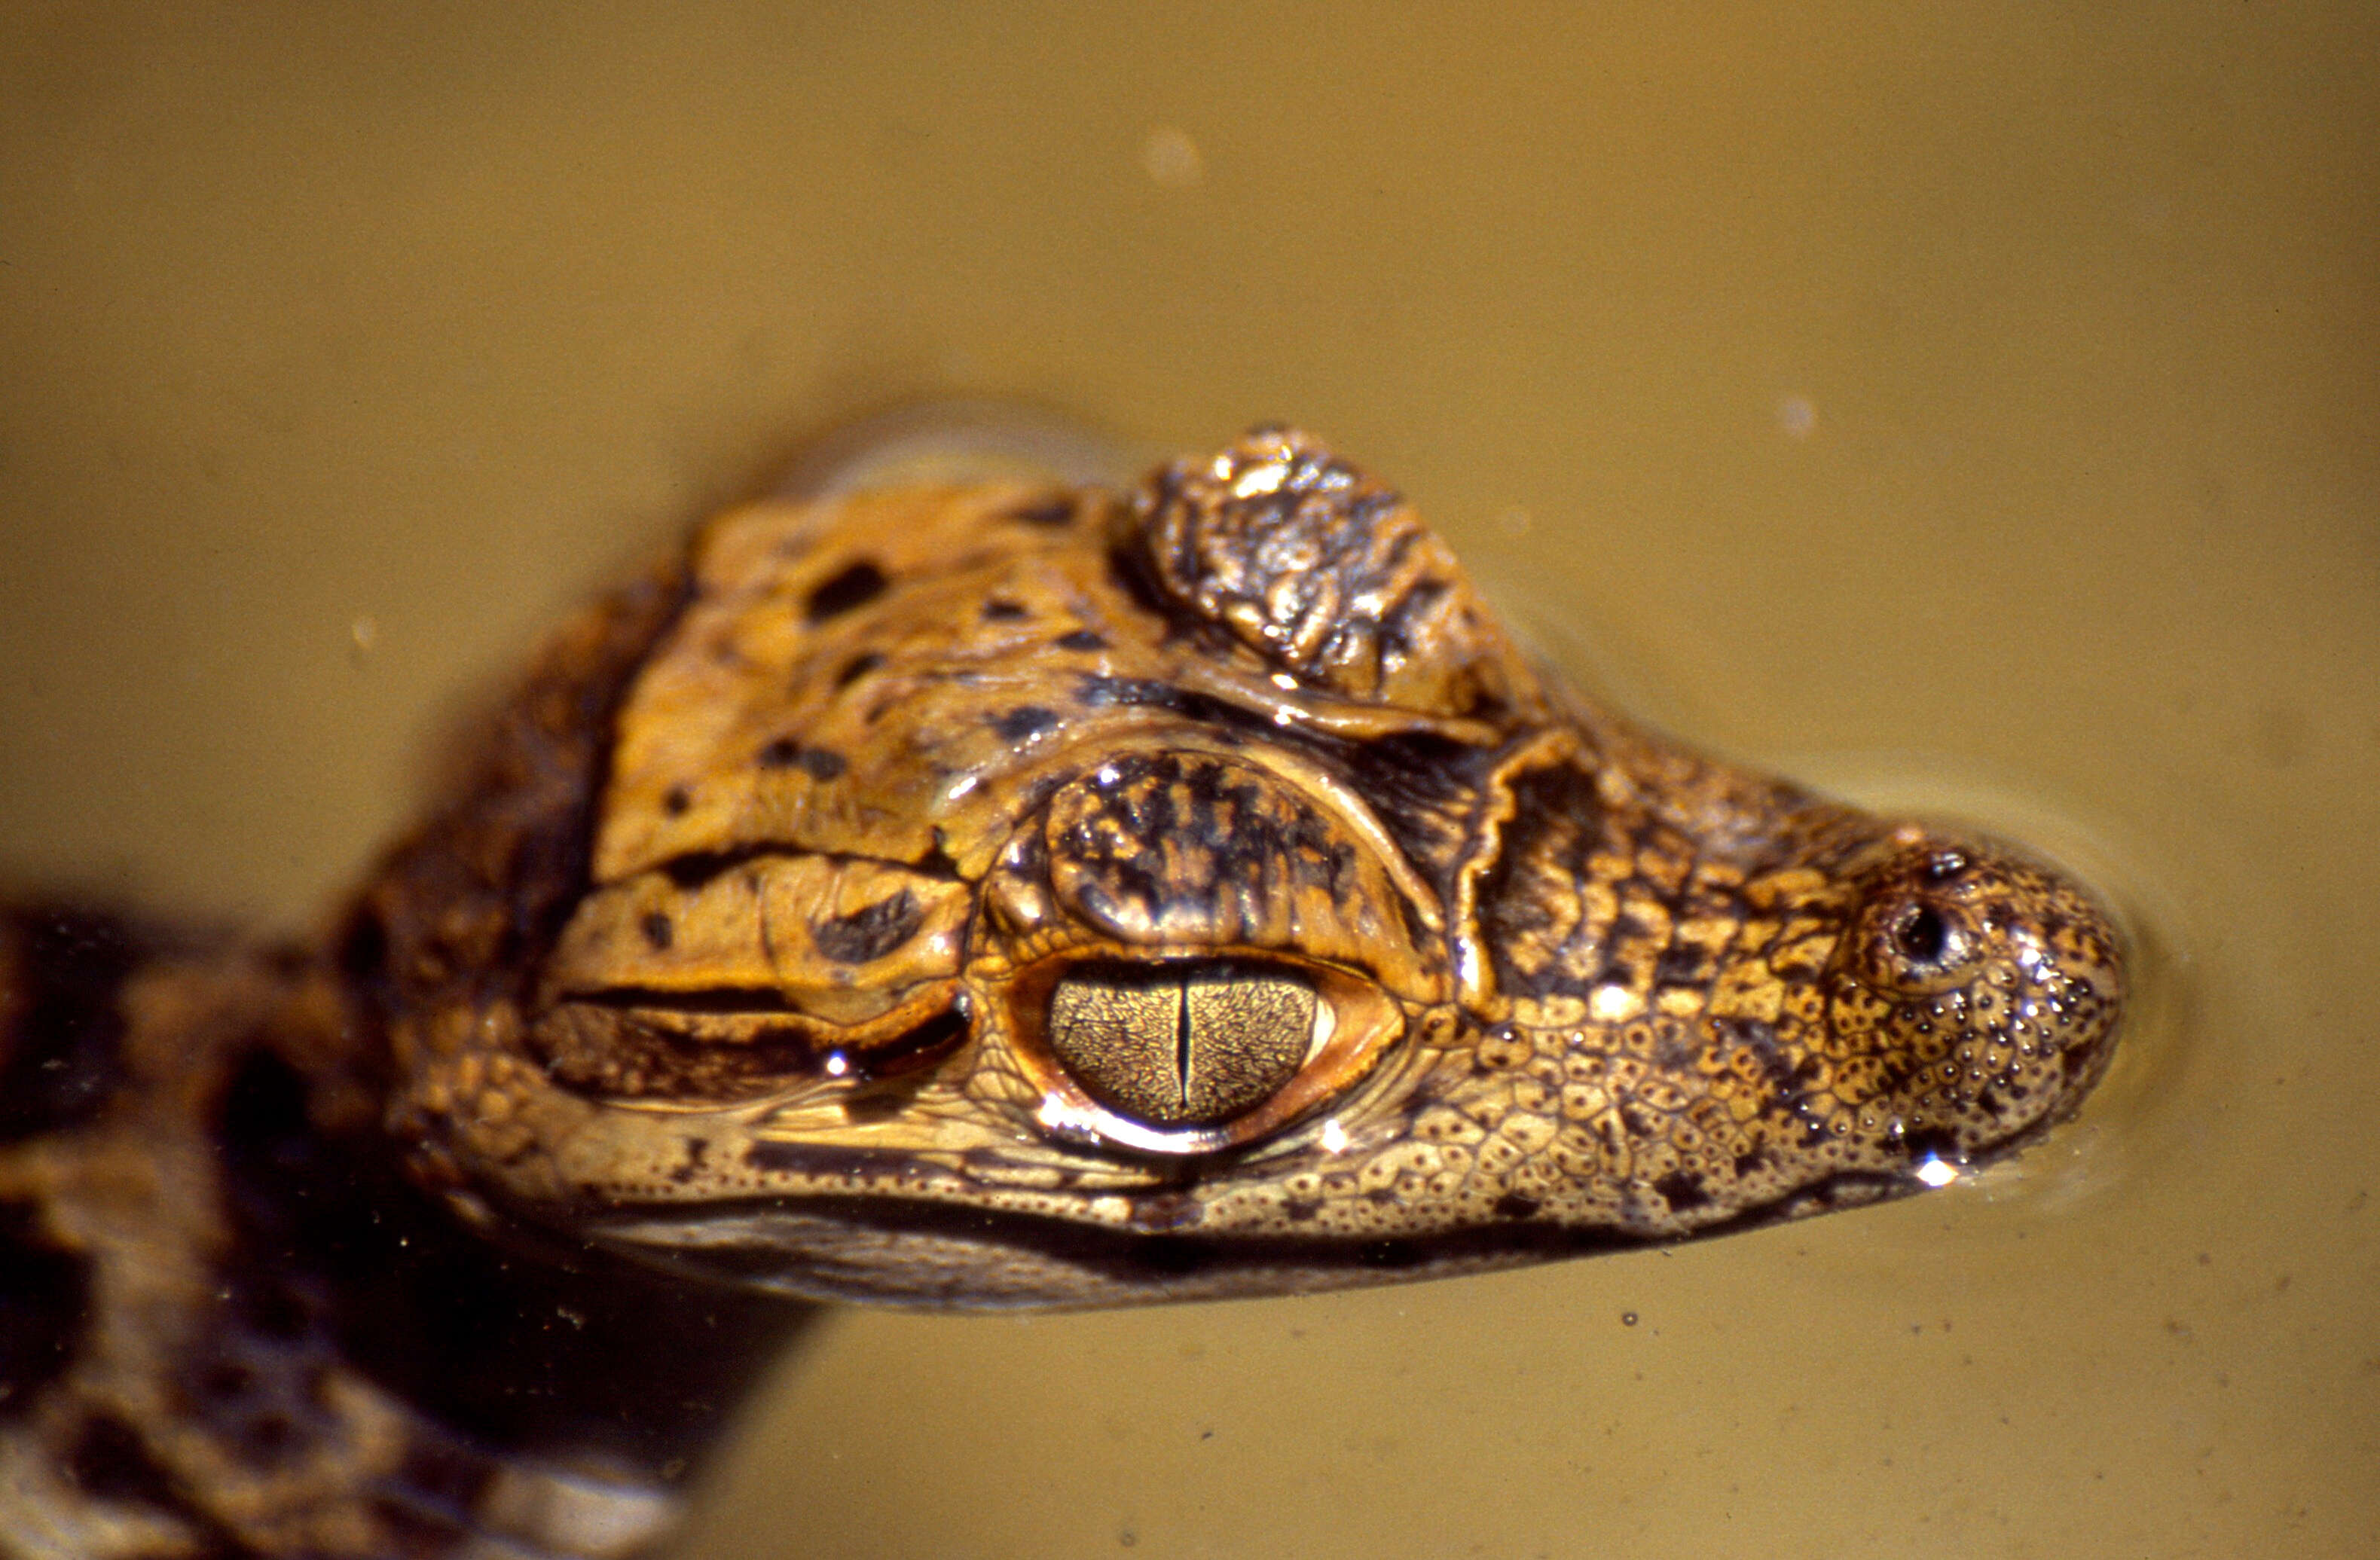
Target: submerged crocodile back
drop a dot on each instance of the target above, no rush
(229, 1325)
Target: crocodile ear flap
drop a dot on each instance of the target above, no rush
(1328, 575)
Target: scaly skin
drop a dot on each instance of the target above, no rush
(1613, 989)
(746, 956)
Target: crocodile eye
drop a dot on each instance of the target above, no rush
(1916, 947)
(1191, 1053)
(1928, 921)
(1182, 1046)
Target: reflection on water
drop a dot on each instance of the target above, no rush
(1988, 392)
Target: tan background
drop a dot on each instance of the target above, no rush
(1963, 406)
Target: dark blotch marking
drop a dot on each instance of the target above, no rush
(1556, 822)
(1080, 639)
(267, 1438)
(1054, 510)
(1682, 1189)
(63, 1059)
(1513, 1205)
(854, 586)
(871, 933)
(43, 1293)
(109, 1462)
(821, 765)
(1680, 964)
(999, 610)
(674, 801)
(1024, 722)
(781, 753)
(656, 927)
(856, 668)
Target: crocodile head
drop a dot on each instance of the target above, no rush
(1016, 892)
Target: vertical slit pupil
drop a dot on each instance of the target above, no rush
(1175, 1045)
(1181, 1038)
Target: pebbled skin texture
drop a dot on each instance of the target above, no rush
(727, 976)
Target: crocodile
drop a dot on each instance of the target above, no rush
(999, 891)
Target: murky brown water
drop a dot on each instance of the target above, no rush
(1978, 413)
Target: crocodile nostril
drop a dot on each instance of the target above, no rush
(1922, 936)
(1946, 865)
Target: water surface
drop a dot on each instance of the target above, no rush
(1975, 411)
